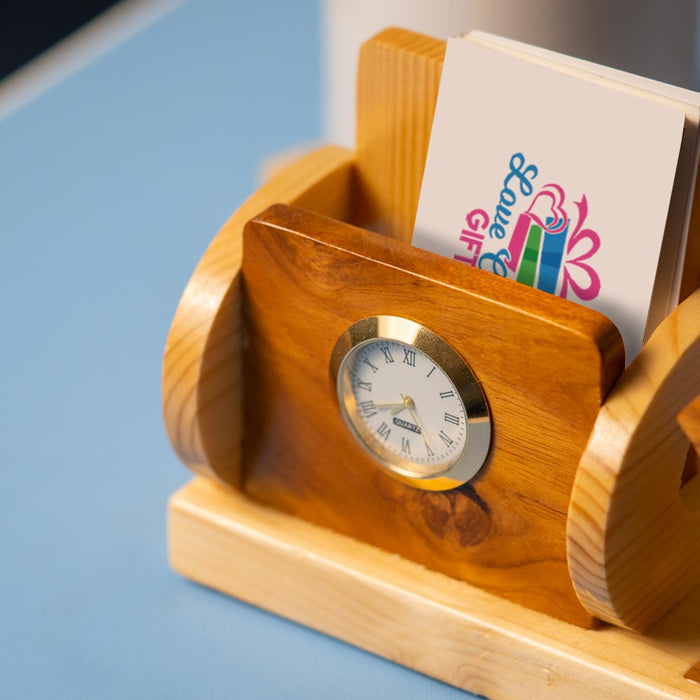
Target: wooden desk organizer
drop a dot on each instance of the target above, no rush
(587, 509)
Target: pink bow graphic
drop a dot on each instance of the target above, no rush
(592, 289)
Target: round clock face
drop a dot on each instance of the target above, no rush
(402, 404)
(411, 401)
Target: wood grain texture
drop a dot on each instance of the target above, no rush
(689, 420)
(397, 85)
(201, 380)
(544, 364)
(693, 673)
(633, 533)
(444, 628)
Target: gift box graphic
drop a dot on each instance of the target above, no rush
(542, 254)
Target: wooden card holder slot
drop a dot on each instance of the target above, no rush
(579, 514)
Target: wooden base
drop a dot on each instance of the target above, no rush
(424, 620)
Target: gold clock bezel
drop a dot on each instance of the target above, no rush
(466, 464)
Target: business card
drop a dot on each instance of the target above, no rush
(551, 180)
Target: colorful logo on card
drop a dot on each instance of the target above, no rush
(547, 244)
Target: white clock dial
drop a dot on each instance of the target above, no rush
(411, 401)
(404, 405)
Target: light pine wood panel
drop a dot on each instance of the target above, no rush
(201, 381)
(689, 420)
(389, 606)
(545, 365)
(397, 85)
(633, 539)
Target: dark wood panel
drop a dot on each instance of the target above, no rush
(545, 365)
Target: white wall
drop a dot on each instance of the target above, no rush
(656, 38)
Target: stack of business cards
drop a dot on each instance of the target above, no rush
(566, 176)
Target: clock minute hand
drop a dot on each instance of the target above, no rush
(410, 404)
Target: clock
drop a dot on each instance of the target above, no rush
(412, 402)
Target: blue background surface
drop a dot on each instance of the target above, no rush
(113, 183)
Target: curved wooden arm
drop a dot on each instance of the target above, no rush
(689, 420)
(633, 538)
(201, 380)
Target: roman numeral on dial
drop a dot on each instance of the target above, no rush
(409, 357)
(445, 438)
(388, 357)
(449, 418)
(371, 366)
(368, 408)
(383, 431)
